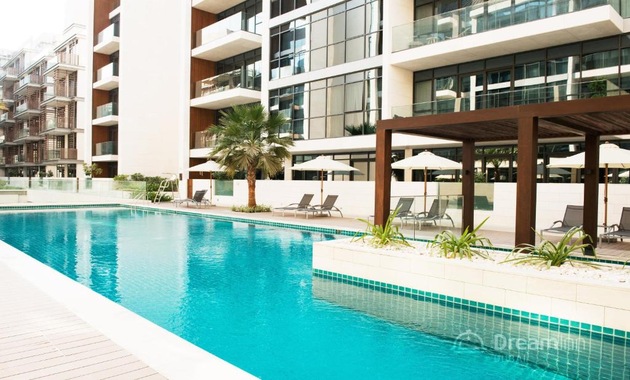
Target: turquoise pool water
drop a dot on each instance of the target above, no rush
(246, 293)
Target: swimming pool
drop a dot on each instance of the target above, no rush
(246, 294)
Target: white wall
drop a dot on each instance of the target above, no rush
(356, 199)
(152, 71)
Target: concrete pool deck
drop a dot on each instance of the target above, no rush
(53, 327)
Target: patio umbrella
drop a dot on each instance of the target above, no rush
(323, 164)
(425, 161)
(610, 156)
(208, 167)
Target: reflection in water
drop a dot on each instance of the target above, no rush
(575, 355)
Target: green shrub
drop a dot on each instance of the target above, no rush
(468, 245)
(164, 198)
(381, 236)
(257, 208)
(548, 254)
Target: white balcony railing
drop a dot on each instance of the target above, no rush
(482, 17)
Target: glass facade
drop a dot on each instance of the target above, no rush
(347, 32)
(251, 15)
(582, 70)
(345, 105)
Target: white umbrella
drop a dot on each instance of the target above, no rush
(323, 164)
(208, 166)
(425, 161)
(625, 174)
(610, 156)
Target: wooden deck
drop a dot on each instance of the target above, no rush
(40, 338)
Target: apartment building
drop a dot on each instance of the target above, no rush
(43, 89)
(336, 67)
(139, 85)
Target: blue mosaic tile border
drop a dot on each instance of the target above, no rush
(330, 231)
(324, 230)
(57, 206)
(504, 312)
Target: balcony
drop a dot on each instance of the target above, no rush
(108, 41)
(6, 119)
(228, 89)
(63, 62)
(7, 94)
(499, 27)
(533, 94)
(28, 134)
(27, 110)
(9, 74)
(29, 82)
(60, 154)
(105, 151)
(58, 126)
(59, 97)
(214, 6)
(28, 159)
(107, 77)
(225, 39)
(106, 115)
(203, 143)
(7, 139)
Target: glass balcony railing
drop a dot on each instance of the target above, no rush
(6, 117)
(220, 29)
(30, 79)
(63, 59)
(107, 71)
(27, 132)
(109, 109)
(204, 139)
(227, 81)
(27, 106)
(108, 33)
(507, 97)
(60, 154)
(105, 148)
(482, 17)
(9, 71)
(58, 123)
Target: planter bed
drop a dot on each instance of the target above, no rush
(594, 300)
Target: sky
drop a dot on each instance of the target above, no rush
(23, 19)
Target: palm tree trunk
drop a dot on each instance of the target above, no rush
(251, 186)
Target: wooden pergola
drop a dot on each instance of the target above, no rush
(588, 118)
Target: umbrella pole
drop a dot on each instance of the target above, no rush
(321, 187)
(605, 197)
(425, 190)
(210, 188)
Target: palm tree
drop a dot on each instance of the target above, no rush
(247, 138)
(3, 107)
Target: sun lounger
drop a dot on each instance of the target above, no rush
(622, 229)
(326, 207)
(197, 199)
(572, 218)
(435, 213)
(304, 203)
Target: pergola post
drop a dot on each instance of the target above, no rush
(526, 181)
(591, 187)
(468, 185)
(383, 179)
